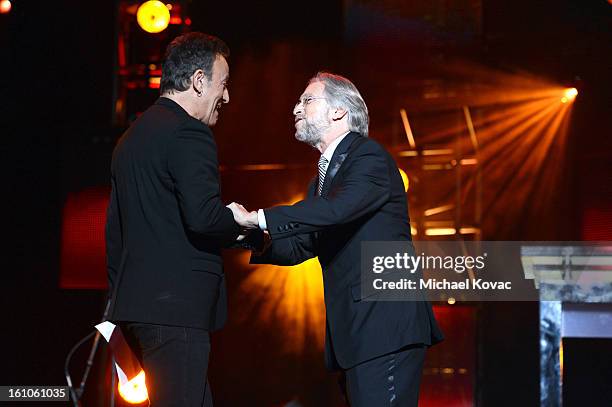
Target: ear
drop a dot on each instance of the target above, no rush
(338, 113)
(199, 81)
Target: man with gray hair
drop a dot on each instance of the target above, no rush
(358, 196)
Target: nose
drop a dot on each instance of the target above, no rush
(298, 108)
(225, 96)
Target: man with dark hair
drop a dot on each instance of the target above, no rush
(358, 196)
(166, 225)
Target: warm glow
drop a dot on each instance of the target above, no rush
(439, 209)
(517, 127)
(404, 179)
(153, 16)
(468, 161)
(569, 95)
(287, 298)
(134, 391)
(5, 6)
(407, 128)
(440, 151)
(561, 357)
(440, 231)
(154, 82)
(571, 92)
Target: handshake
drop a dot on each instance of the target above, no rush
(247, 220)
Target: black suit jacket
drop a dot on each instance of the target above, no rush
(166, 223)
(362, 199)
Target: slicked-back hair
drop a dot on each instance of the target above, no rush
(342, 93)
(186, 54)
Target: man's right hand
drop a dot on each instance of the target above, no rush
(244, 218)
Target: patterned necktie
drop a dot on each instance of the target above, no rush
(322, 168)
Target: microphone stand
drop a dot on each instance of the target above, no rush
(76, 394)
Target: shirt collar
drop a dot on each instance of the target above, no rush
(329, 151)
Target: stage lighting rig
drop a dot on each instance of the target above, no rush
(143, 31)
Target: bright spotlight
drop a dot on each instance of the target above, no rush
(5, 6)
(135, 390)
(569, 95)
(153, 16)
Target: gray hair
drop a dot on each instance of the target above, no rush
(342, 93)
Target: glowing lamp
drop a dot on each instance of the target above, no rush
(5, 6)
(153, 16)
(135, 390)
(404, 179)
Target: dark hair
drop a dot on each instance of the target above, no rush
(186, 54)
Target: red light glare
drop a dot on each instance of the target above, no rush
(5, 6)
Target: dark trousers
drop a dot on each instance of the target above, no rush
(391, 380)
(175, 361)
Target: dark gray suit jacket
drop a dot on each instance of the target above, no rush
(362, 199)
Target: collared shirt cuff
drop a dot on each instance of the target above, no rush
(261, 219)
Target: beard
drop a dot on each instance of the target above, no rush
(311, 131)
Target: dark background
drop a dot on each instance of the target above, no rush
(56, 76)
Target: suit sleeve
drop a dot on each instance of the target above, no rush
(287, 252)
(192, 163)
(114, 240)
(364, 189)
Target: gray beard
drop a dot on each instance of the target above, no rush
(310, 133)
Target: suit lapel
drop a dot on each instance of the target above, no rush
(338, 158)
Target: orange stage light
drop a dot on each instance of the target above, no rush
(289, 297)
(154, 82)
(134, 391)
(569, 95)
(5, 6)
(153, 16)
